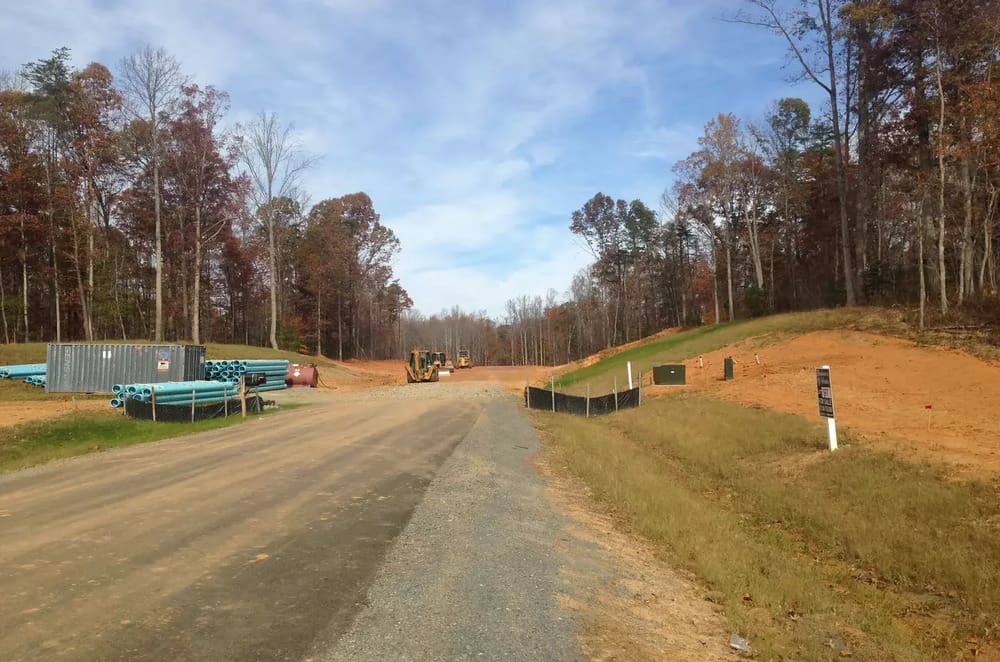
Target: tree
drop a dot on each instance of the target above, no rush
(818, 26)
(152, 83)
(274, 163)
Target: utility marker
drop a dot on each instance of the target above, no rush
(629, 363)
(824, 393)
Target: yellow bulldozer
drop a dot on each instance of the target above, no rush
(464, 359)
(421, 367)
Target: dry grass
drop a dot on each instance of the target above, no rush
(812, 554)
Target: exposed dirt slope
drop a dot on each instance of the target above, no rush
(935, 404)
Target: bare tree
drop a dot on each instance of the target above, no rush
(274, 161)
(152, 80)
(796, 29)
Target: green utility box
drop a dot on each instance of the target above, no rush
(727, 368)
(669, 375)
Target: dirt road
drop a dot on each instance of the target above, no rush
(255, 542)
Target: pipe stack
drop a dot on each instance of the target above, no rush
(22, 371)
(200, 392)
(36, 380)
(231, 371)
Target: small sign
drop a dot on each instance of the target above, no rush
(824, 392)
(163, 365)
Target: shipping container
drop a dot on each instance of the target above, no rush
(91, 368)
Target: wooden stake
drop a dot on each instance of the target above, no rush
(616, 394)
(153, 399)
(588, 399)
(553, 394)
(192, 405)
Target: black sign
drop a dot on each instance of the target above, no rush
(252, 379)
(824, 391)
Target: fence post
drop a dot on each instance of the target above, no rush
(588, 400)
(192, 405)
(243, 397)
(225, 400)
(553, 394)
(640, 388)
(152, 397)
(629, 375)
(527, 395)
(616, 393)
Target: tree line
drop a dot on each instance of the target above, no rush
(129, 209)
(886, 194)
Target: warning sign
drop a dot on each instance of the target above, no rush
(824, 392)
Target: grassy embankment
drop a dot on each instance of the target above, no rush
(690, 343)
(85, 432)
(812, 554)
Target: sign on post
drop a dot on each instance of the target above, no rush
(824, 394)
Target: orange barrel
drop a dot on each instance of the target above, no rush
(302, 375)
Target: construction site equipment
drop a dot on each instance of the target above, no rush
(422, 367)
(230, 371)
(464, 359)
(303, 375)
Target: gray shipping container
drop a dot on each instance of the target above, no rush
(87, 368)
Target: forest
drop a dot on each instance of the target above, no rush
(129, 209)
(884, 195)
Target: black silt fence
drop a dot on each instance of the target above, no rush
(182, 413)
(540, 398)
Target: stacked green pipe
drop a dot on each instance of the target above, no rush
(22, 371)
(231, 371)
(200, 392)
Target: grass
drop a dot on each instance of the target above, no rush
(690, 343)
(36, 443)
(811, 554)
(12, 390)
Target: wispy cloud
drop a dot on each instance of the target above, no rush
(476, 127)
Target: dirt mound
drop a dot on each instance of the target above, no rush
(932, 404)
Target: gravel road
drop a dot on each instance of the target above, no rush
(399, 523)
(475, 574)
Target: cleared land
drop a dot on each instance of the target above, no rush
(886, 549)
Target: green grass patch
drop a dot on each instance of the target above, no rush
(78, 434)
(693, 342)
(811, 553)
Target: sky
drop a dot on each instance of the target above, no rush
(477, 127)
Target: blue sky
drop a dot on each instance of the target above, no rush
(477, 127)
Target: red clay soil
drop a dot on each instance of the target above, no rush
(929, 403)
(18, 412)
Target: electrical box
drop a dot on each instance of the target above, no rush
(670, 375)
(728, 368)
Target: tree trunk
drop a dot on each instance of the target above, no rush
(838, 155)
(319, 322)
(340, 327)
(729, 280)
(79, 276)
(158, 250)
(942, 265)
(196, 285)
(24, 282)
(272, 264)
(966, 283)
(3, 309)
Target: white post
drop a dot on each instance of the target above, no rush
(588, 399)
(629, 375)
(640, 388)
(831, 428)
(553, 394)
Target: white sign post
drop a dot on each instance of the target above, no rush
(824, 393)
(630, 375)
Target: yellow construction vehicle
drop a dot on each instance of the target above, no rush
(464, 359)
(421, 367)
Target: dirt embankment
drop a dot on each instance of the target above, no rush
(933, 404)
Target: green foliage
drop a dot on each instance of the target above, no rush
(756, 301)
